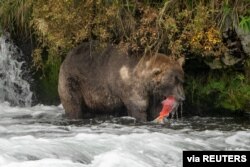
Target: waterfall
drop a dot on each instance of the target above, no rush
(13, 87)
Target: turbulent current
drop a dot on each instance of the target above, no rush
(13, 87)
(40, 136)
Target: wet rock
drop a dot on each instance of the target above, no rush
(245, 40)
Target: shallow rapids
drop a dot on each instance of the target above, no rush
(40, 136)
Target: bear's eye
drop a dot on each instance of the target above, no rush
(156, 71)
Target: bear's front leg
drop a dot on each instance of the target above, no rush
(137, 109)
(140, 116)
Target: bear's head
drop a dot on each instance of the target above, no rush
(162, 77)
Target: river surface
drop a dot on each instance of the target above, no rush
(40, 136)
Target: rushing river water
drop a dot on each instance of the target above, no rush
(13, 87)
(40, 136)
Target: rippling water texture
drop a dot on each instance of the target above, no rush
(39, 136)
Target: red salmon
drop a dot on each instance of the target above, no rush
(168, 106)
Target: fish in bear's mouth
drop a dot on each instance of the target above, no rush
(170, 104)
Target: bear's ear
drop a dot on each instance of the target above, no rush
(181, 61)
(156, 71)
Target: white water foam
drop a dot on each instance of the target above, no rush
(13, 87)
(39, 136)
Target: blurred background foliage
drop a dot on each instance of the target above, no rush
(203, 31)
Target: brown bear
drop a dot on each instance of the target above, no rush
(106, 80)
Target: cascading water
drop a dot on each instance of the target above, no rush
(13, 88)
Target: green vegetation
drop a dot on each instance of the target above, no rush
(219, 90)
(47, 86)
(196, 29)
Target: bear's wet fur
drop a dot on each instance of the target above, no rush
(106, 80)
